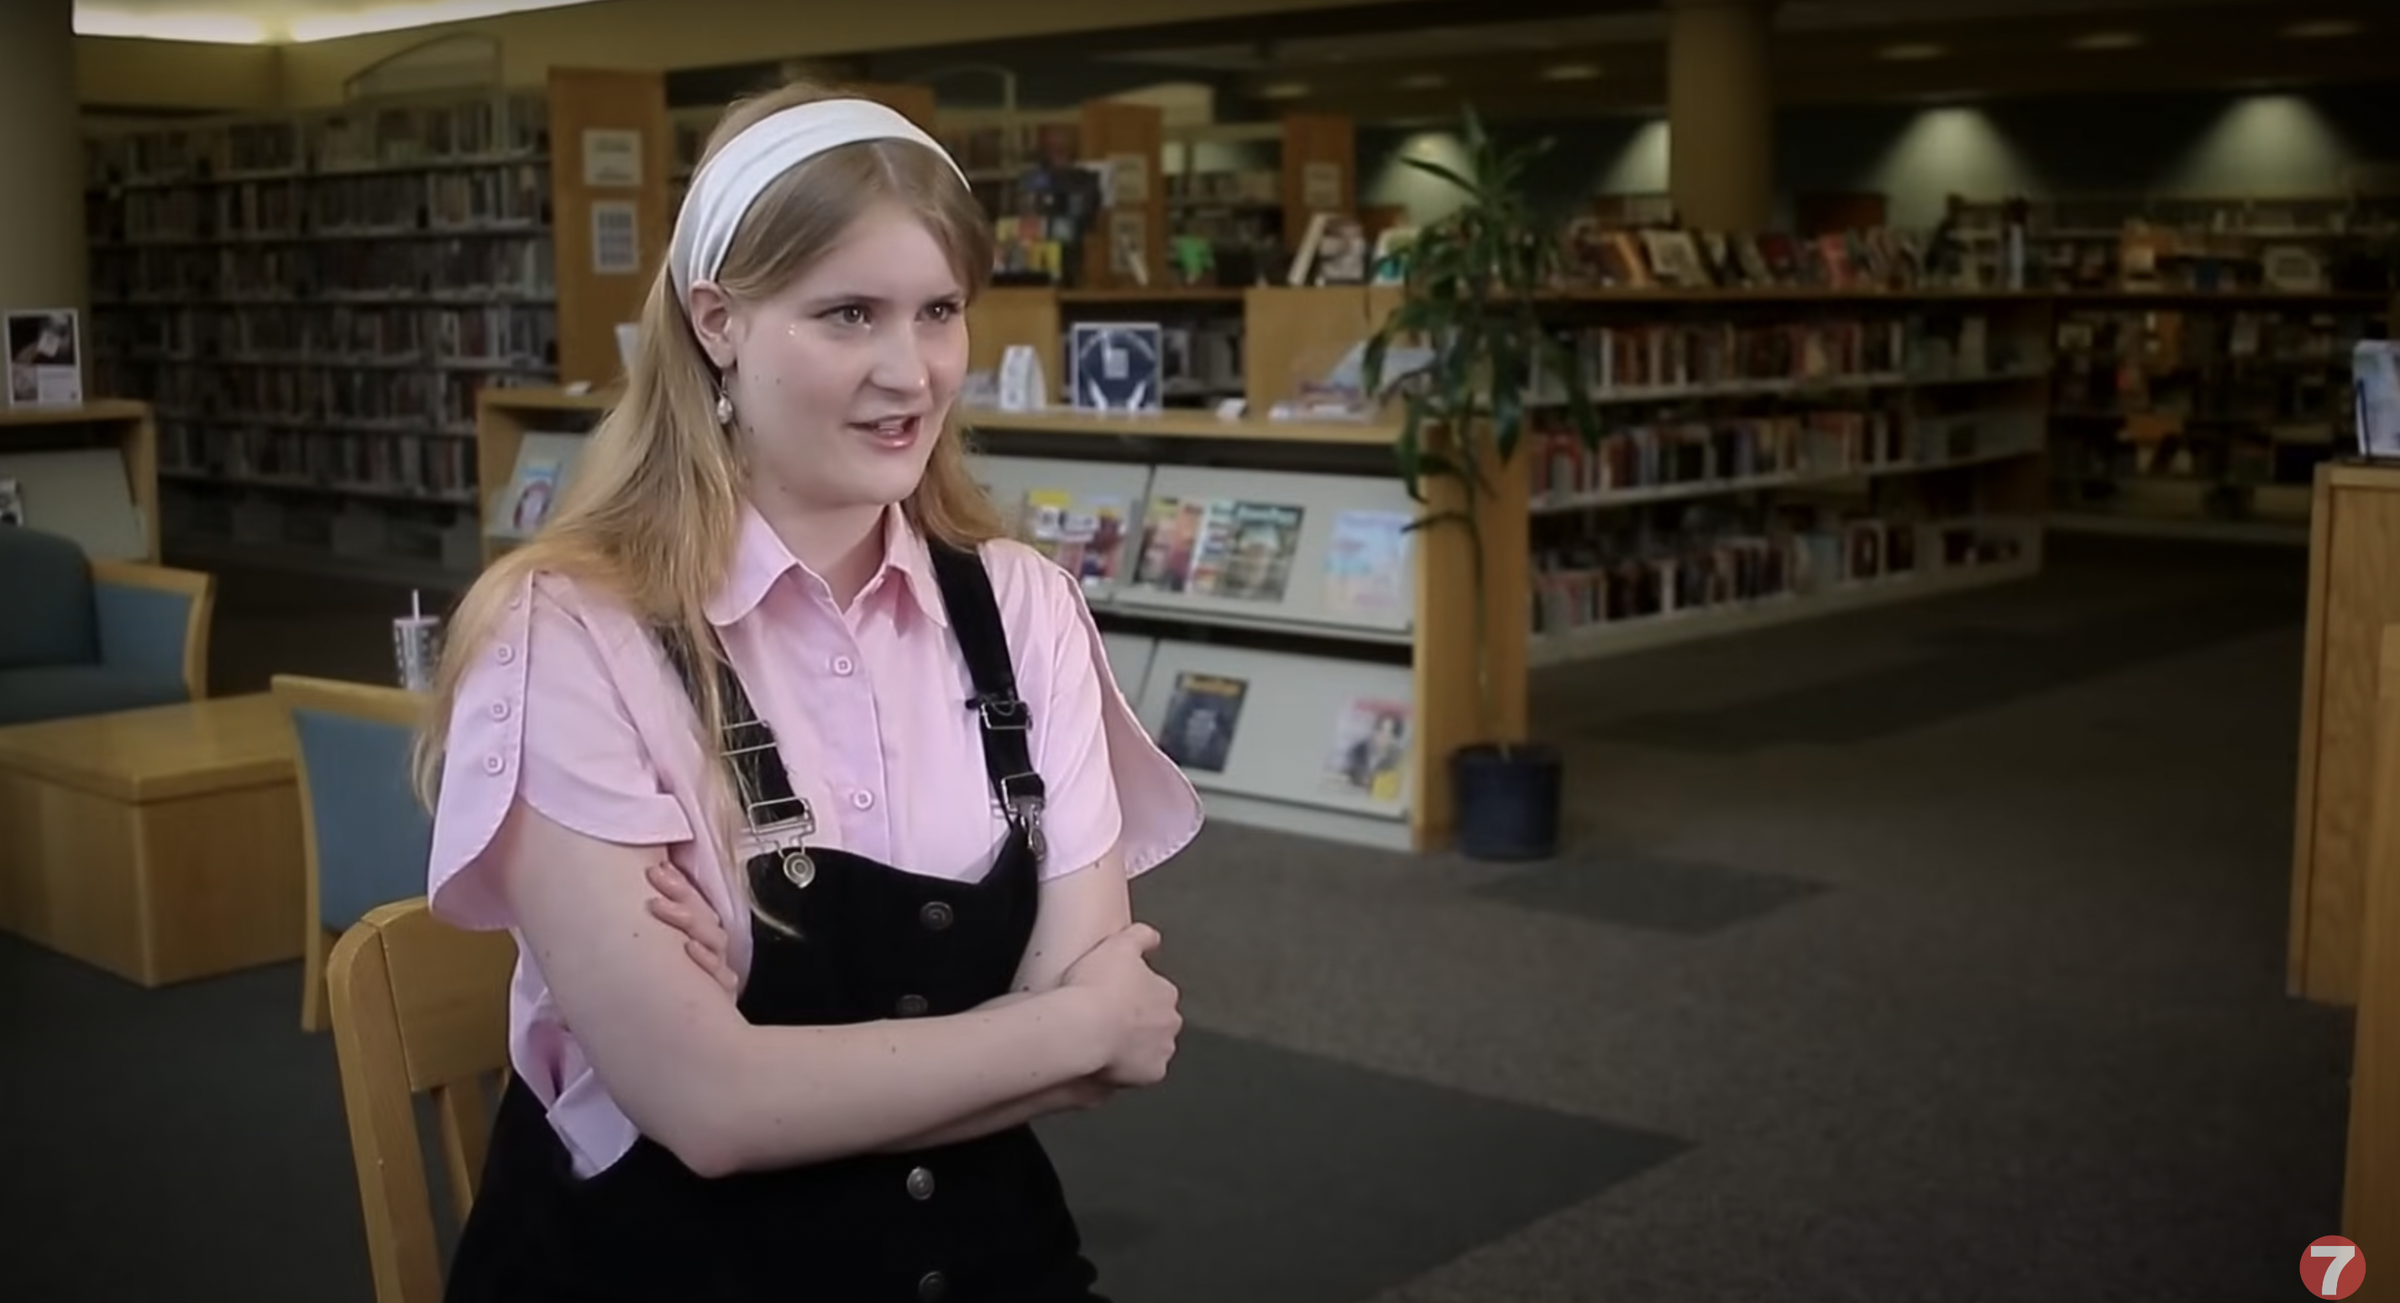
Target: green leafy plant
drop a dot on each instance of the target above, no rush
(1472, 281)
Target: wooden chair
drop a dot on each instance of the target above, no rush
(419, 1007)
(365, 835)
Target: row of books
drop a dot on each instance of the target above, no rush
(1679, 453)
(334, 334)
(497, 197)
(476, 127)
(1662, 257)
(390, 465)
(1679, 355)
(1600, 582)
(511, 264)
(322, 398)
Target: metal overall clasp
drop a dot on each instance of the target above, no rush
(1023, 809)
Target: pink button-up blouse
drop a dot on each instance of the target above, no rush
(572, 708)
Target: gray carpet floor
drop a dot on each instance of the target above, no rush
(1933, 953)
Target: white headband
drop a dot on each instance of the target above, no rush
(732, 180)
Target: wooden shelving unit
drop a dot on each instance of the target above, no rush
(2353, 598)
(2204, 350)
(80, 469)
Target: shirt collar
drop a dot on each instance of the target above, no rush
(760, 558)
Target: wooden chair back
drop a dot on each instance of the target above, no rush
(419, 1008)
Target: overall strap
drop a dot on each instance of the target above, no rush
(1007, 725)
(764, 785)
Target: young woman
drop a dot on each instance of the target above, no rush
(768, 691)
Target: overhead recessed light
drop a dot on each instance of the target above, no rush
(1912, 51)
(1424, 81)
(1571, 72)
(2322, 29)
(1283, 90)
(2107, 41)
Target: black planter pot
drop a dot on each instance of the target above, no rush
(1507, 801)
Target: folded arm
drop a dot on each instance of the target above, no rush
(1078, 910)
(724, 1095)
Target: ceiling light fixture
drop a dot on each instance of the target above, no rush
(2107, 41)
(1424, 81)
(213, 29)
(1571, 72)
(1912, 52)
(362, 20)
(2322, 29)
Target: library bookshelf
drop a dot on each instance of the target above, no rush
(1769, 456)
(89, 472)
(312, 301)
(1775, 455)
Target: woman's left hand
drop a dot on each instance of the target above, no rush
(680, 906)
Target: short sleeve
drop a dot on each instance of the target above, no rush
(1108, 782)
(539, 717)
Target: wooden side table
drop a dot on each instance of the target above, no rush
(160, 844)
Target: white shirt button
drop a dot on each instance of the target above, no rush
(864, 800)
(504, 653)
(843, 665)
(499, 710)
(493, 764)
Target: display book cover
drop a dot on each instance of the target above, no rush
(1116, 366)
(45, 360)
(2375, 390)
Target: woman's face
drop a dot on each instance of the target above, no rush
(841, 382)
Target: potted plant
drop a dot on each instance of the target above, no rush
(1469, 310)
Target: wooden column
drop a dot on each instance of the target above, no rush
(592, 302)
(1112, 129)
(1721, 113)
(2353, 596)
(1451, 709)
(1317, 143)
(2371, 1177)
(913, 102)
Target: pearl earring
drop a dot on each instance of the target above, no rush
(724, 408)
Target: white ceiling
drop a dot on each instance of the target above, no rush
(262, 21)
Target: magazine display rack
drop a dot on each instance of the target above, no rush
(526, 443)
(1259, 590)
(88, 472)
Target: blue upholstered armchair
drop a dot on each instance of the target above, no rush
(367, 837)
(84, 637)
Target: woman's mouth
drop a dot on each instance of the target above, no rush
(897, 433)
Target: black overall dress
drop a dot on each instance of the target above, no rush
(983, 1221)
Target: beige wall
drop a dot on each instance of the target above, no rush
(666, 34)
(42, 261)
(176, 74)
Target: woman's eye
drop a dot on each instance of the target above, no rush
(942, 311)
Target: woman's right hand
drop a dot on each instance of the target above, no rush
(1139, 1017)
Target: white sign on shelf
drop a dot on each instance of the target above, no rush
(616, 238)
(612, 156)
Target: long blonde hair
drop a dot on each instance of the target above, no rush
(653, 512)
